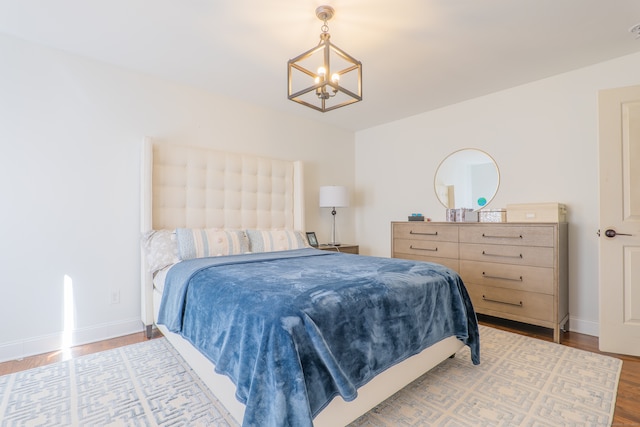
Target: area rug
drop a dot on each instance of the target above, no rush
(521, 382)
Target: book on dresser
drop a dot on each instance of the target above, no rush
(515, 271)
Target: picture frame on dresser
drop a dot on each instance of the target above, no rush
(313, 240)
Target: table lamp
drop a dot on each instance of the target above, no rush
(334, 196)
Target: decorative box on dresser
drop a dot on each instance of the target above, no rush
(516, 271)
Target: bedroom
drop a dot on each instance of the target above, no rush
(71, 133)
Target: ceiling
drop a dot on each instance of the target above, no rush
(417, 55)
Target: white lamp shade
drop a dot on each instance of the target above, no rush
(334, 196)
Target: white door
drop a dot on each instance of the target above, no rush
(619, 142)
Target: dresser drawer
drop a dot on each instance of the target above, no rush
(425, 231)
(520, 305)
(520, 235)
(426, 248)
(519, 255)
(518, 277)
(451, 263)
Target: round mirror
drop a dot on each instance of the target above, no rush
(467, 178)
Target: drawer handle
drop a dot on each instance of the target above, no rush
(519, 279)
(488, 236)
(503, 256)
(423, 234)
(424, 249)
(519, 304)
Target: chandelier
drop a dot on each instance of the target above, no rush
(325, 77)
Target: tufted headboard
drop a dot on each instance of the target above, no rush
(203, 188)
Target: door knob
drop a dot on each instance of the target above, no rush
(610, 232)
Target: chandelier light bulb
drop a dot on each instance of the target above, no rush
(322, 71)
(335, 78)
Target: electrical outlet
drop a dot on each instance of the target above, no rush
(115, 296)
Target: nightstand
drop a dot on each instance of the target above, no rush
(346, 248)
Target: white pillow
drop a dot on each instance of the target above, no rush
(160, 249)
(200, 243)
(276, 240)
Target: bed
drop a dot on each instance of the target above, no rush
(323, 337)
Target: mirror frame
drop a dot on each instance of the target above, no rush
(450, 158)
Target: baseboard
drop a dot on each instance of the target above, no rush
(44, 344)
(24, 348)
(586, 327)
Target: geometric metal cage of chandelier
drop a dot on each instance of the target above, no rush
(325, 77)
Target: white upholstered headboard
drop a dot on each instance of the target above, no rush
(203, 188)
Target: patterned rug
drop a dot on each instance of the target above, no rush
(520, 382)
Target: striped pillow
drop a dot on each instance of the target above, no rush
(200, 243)
(276, 240)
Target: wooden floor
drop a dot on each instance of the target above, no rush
(627, 412)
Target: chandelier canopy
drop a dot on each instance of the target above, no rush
(325, 77)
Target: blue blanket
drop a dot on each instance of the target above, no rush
(294, 329)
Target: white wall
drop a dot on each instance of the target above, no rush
(544, 138)
(70, 135)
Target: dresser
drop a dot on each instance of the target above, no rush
(516, 271)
